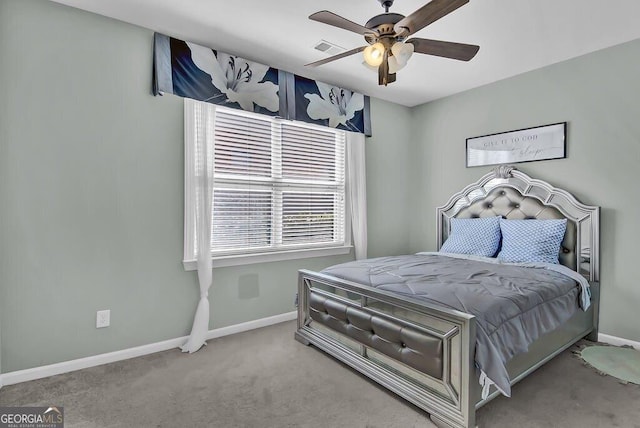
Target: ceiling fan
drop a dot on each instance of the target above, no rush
(387, 34)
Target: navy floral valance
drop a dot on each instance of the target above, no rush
(193, 71)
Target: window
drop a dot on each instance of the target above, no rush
(278, 192)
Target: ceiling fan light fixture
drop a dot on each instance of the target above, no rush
(374, 54)
(402, 52)
(394, 66)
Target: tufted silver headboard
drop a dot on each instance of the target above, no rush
(512, 194)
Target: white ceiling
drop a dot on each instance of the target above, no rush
(515, 36)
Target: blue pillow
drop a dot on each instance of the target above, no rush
(477, 236)
(531, 240)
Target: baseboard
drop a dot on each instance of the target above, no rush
(250, 325)
(618, 341)
(34, 373)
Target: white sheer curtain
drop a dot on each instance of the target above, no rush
(200, 133)
(357, 191)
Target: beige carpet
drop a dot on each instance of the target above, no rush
(264, 378)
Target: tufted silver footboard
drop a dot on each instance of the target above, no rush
(395, 338)
(422, 353)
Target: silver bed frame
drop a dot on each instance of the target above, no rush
(449, 390)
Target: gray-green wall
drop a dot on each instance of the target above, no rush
(91, 184)
(597, 95)
(91, 194)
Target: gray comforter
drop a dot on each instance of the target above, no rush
(513, 305)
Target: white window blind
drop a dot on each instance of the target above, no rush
(278, 185)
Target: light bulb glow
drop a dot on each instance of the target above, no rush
(374, 54)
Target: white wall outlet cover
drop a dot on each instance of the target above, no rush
(103, 318)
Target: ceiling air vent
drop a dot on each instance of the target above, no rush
(328, 47)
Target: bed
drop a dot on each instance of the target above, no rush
(434, 349)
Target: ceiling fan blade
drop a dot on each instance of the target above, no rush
(426, 15)
(331, 18)
(459, 51)
(335, 57)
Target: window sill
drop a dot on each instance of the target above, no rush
(246, 259)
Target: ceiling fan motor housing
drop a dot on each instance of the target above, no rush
(386, 20)
(383, 26)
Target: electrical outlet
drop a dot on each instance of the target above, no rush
(103, 318)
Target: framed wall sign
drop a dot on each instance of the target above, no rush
(522, 145)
